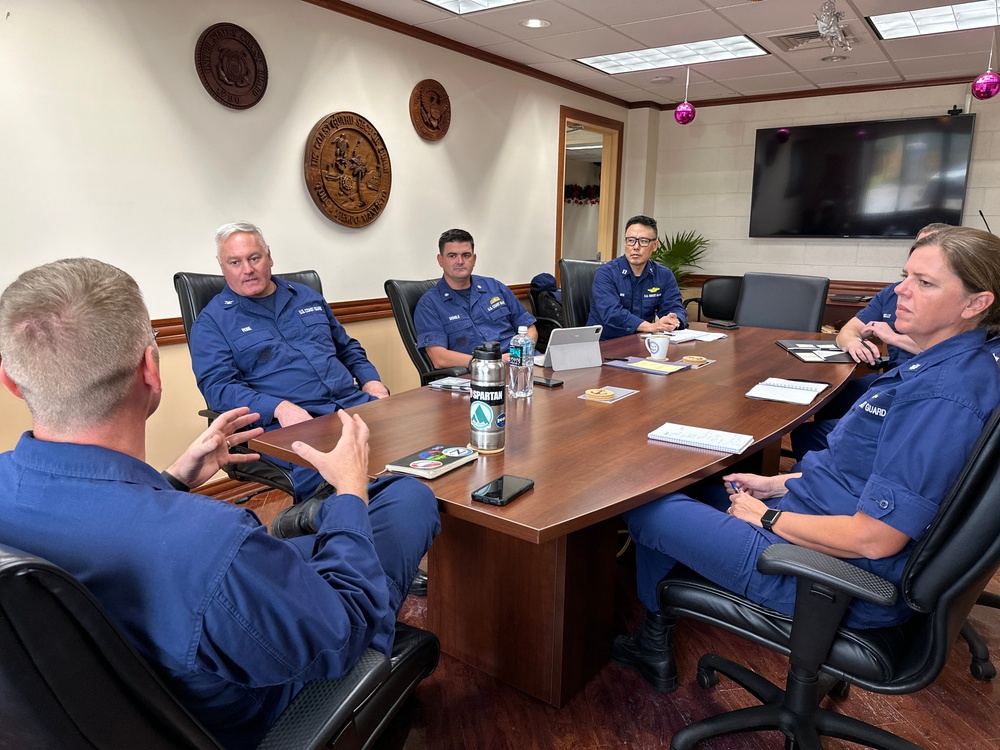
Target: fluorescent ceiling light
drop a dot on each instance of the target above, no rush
(710, 50)
(471, 6)
(976, 15)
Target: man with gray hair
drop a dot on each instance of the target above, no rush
(233, 620)
(275, 346)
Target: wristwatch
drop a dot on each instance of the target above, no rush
(768, 519)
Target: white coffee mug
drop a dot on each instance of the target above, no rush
(657, 345)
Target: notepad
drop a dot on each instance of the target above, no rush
(788, 391)
(701, 437)
(433, 461)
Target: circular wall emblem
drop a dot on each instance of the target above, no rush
(231, 65)
(347, 169)
(430, 110)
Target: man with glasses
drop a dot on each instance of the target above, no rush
(632, 294)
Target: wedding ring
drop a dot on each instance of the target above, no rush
(729, 510)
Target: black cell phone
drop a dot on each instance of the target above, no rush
(722, 324)
(502, 490)
(547, 382)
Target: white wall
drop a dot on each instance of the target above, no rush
(705, 170)
(111, 148)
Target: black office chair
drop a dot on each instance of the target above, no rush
(779, 300)
(718, 298)
(577, 279)
(403, 297)
(69, 679)
(194, 291)
(947, 571)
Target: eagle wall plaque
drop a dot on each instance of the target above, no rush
(430, 110)
(347, 169)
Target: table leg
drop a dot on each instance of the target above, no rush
(536, 616)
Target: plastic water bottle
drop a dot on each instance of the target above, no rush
(487, 411)
(520, 372)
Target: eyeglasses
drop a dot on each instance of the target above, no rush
(643, 242)
(155, 333)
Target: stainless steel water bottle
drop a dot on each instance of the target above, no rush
(487, 412)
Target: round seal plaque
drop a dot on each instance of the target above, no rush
(347, 169)
(231, 65)
(430, 110)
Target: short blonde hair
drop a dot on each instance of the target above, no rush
(72, 333)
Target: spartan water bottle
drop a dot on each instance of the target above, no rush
(487, 414)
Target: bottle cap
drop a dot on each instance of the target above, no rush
(487, 350)
(522, 329)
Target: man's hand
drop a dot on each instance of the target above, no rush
(210, 451)
(375, 388)
(346, 466)
(288, 414)
(667, 323)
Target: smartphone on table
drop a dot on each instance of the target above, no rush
(546, 382)
(502, 490)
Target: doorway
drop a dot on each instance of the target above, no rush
(589, 186)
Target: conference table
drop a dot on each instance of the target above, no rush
(526, 591)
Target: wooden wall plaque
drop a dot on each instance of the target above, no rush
(347, 169)
(231, 65)
(430, 110)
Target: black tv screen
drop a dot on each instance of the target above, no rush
(885, 178)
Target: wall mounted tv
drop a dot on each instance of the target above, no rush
(885, 178)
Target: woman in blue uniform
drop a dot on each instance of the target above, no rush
(870, 495)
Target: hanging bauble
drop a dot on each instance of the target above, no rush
(986, 86)
(684, 113)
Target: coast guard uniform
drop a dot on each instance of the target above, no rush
(443, 318)
(885, 459)
(245, 354)
(232, 619)
(620, 300)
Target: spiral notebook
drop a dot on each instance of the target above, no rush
(788, 391)
(702, 437)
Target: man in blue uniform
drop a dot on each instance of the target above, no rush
(870, 495)
(462, 311)
(878, 320)
(275, 346)
(632, 294)
(232, 619)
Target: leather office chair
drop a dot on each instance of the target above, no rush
(194, 291)
(69, 679)
(778, 300)
(947, 571)
(403, 297)
(577, 278)
(718, 299)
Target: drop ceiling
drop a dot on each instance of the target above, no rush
(785, 28)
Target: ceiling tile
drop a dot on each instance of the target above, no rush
(506, 20)
(584, 43)
(520, 52)
(691, 27)
(465, 32)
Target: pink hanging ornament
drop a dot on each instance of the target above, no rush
(987, 85)
(685, 112)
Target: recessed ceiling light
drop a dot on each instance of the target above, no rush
(535, 23)
(471, 6)
(709, 50)
(976, 15)
(832, 58)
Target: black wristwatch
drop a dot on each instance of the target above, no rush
(768, 519)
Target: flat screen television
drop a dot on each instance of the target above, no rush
(884, 178)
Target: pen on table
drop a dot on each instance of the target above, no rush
(615, 359)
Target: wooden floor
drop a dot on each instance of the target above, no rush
(459, 708)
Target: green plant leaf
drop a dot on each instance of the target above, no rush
(680, 252)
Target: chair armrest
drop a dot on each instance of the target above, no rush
(696, 300)
(323, 708)
(443, 372)
(800, 562)
(210, 414)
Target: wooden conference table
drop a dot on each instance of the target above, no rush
(526, 592)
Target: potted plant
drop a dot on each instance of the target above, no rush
(680, 252)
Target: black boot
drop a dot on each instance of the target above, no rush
(300, 519)
(650, 651)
